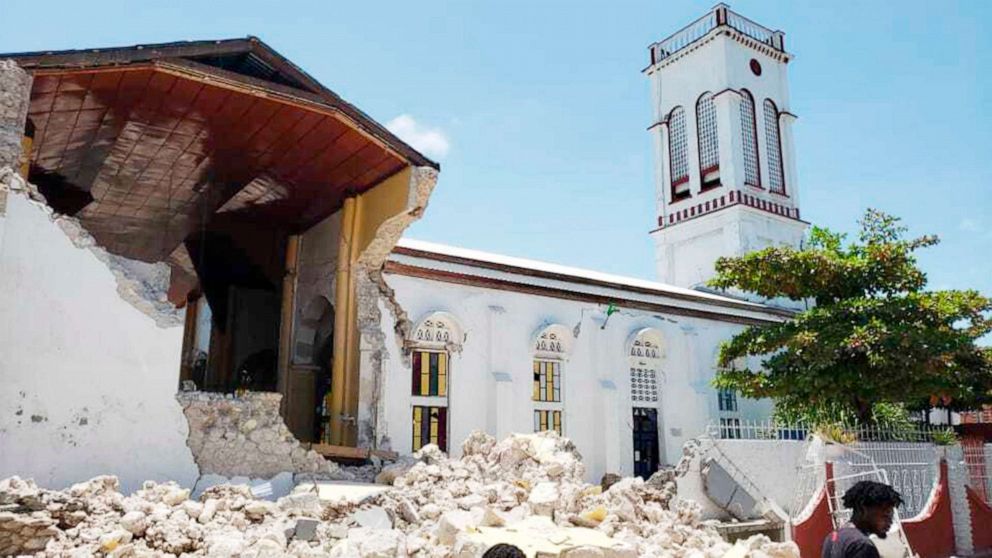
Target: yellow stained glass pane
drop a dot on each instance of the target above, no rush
(433, 428)
(442, 374)
(425, 373)
(417, 415)
(549, 383)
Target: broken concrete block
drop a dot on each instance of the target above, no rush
(372, 518)
(452, 523)
(306, 529)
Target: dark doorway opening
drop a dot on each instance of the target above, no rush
(646, 459)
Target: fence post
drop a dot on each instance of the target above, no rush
(957, 481)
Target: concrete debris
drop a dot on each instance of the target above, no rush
(526, 490)
(246, 436)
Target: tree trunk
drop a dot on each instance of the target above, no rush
(863, 410)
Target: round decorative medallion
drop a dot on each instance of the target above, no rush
(755, 67)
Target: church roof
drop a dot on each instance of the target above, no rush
(484, 269)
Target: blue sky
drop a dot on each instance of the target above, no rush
(537, 110)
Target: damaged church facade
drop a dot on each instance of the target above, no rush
(202, 271)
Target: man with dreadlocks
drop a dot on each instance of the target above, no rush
(873, 505)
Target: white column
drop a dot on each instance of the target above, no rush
(785, 121)
(728, 125)
(612, 424)
(957, 480)
(504, 404)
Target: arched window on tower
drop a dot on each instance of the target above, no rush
(709, 145)
(430, 358)
(749, 135)
(551, 346)
(678, 154)
(773, 145)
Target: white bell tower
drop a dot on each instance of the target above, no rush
(725, 173)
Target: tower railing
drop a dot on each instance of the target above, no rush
(719, 16)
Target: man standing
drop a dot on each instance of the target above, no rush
(873, 505)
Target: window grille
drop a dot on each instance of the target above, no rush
(709, 146)
(430, 426)
(773, 145)
(430, 373)
(678, 153)
(545, 420)
(730, 428)
(547, 381)
(749, 134)
(643, 385)
(727, 399)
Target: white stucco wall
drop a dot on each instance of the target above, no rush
(490, 385)
(89, 381)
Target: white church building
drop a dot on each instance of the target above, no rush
(621, 366)
(185, 224)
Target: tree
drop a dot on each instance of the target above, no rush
(873, 337)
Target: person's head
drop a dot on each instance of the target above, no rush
(503, 550)
(873, 504)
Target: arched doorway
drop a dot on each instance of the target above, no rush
(644, 356)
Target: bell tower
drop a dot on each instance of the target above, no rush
(725, 177)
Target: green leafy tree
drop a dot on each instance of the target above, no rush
(873, 338)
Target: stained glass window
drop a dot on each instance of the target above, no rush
(430, 426)
(547, 381)
(773, 145)
(709, 146)
(547, 420)
(430, 373)
(749, 135)
(678, 153)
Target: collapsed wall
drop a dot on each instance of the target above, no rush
(246, 436)
(89, 377)
(526, 489)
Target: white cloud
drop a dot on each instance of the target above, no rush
(970, 225)
(430, 141)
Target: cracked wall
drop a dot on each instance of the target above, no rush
(89, 378)
(371, 291)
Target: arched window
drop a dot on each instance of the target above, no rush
(709, 146)
(430, 358)
(644, 357)
(678, 154)
(773, 144)
(749, 135)
(551, 346)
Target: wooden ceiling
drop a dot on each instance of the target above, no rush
(155, 148)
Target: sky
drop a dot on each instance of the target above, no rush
(537, 110)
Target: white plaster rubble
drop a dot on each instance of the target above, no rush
(420, 516)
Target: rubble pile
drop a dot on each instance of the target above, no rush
(246, 436)
(526, 489)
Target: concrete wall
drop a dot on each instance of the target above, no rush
(315, 279)
(773, 466)
(490, 384)
(89, 380)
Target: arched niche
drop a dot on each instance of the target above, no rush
(645, 352)
(553, 342)
(437, 330)
(314, 333)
